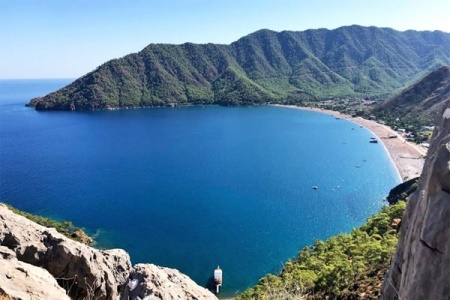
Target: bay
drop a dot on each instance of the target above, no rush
(193, 187)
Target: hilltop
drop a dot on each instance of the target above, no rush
(265, 66)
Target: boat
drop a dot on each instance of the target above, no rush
(373, 140)
(315, 187)
(218, 278)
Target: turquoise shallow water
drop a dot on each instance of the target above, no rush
(192, 188)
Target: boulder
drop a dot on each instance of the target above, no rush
(395, 223)
(81, 236)
(19, 280)
(148, 281)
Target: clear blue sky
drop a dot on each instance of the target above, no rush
(68, 38)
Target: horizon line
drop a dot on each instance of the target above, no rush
(40, 78)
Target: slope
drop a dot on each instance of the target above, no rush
(421, 101)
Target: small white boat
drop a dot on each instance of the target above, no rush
(315, 187)
(218, 278)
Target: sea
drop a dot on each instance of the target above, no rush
(195, 187)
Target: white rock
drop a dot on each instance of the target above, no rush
(153, 282)
(19, 280)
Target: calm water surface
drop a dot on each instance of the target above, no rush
(192, 188)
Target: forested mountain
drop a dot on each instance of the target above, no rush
(265, 66)
(421, 101)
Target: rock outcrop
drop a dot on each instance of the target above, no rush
(20, 280)
(420, 268)
(81, 236)
(162, 283)
(402, 191)
(49, 259)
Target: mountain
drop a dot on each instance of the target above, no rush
(421, 101)
(265, 66)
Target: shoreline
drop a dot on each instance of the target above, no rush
(407, 158)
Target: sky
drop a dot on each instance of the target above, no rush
(69, 38)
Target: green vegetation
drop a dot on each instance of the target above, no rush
(413, 125)
(265, 66)
(416, 107)
(346, 266)
(64, 227)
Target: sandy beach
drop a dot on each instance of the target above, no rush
(406, 156)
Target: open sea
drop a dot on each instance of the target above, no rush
(194, 187)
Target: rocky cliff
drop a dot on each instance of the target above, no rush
(420, 268)
(39, 263)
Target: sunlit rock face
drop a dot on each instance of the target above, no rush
(420, 268)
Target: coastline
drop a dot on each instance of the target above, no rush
(407, 158)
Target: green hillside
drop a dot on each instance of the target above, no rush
(265, 66)
(418, 104)
(346, 266)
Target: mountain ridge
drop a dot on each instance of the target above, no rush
(264, 66)
(422, 100)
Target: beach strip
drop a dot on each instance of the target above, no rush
(408, 158)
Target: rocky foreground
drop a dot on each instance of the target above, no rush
(39, 263)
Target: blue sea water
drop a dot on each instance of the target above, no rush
(195, 187)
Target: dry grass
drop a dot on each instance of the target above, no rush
(4, 297)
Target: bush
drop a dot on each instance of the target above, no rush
(344, 266)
